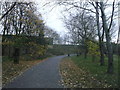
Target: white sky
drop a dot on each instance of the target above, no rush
(51, 16)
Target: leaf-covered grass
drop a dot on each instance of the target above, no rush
(98, 71)
(11, 70)
(91, 74)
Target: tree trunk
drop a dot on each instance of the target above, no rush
(118, 41)
(100, 39)
(3, 46)
(5, 27)
(3, 51)
(16, 56)
(108, 39)
(101, 55)
(9, 49)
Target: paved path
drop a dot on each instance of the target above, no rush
(42, 75)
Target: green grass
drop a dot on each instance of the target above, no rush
(97, 71)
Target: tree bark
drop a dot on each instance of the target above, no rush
(12, 6)
(16, 56)
(118, 41)
(108, 39)
(100, 39)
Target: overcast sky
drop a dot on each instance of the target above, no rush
(51, 16)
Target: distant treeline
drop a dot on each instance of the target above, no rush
(62, 49)
(59, 49)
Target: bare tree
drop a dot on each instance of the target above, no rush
(108, 38)
(99, 35)
(50, 33)
(82, 28)
(12, 6)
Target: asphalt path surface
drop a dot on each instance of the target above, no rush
(43, 75)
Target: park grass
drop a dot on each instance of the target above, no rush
(90, 74)
(99, 72)
(11, 70)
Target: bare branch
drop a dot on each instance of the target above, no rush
(118, 39)
(112, 16)
(78, 6)
(12, 6)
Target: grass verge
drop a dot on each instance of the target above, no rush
(78, 72)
